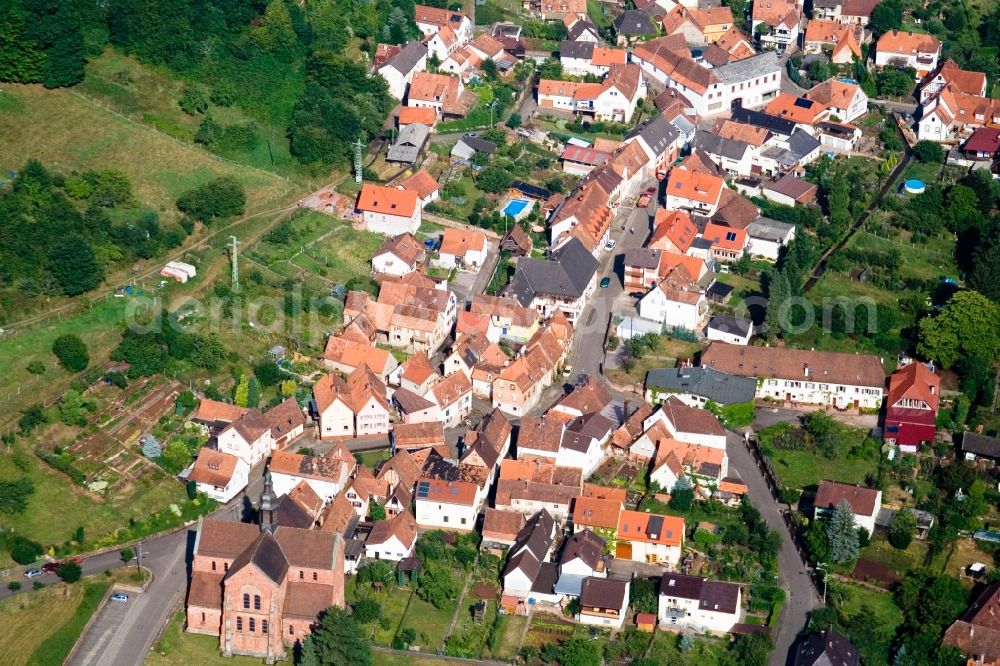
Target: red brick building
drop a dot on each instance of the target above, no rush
(260, 588)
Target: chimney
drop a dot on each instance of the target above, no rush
(807, 370)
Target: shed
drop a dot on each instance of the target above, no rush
(645, 622)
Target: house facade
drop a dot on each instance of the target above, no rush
(699, 603)
(912, 406)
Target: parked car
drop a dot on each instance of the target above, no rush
(31, 573)
(610, 245)
(605, 283)
(49, 567)
(646, 197)
(119, 596)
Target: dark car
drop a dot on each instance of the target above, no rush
(605, 283)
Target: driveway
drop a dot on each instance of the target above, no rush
(793, 574)
(108, 626)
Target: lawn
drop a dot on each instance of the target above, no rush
(878, 606)
(900, 561)
(371, 459)
(63, 622)
(926, 260)
(508, 644)
(56, 495)
(63, 133)
(706, 651)
(179, 647)
(805, 468)
(666, 356)
(430, 623)
(925, 171)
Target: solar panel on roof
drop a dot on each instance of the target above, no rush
(802, 103)
(454, 490)
(730, 235)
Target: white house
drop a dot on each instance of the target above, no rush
(431, 20)
(453, 396)
(699, 603)
(392, 539)
(688, 424)
(846, 101)
(650, 538)
(527, 557)
(702, 465)
(694, 192)
(462, 248)
(801, 376)
(776, 22)
(399, 69)
(864, 502)
(388, 211)
(766, 237)
(326, 476)
(582, 557)
(735, 331)
(908, 49)
(249, 437)
(750, 82)
(398, 256)
(582, 442)
(447, 505)
(677, 301)
(221, 476)
(603, 602)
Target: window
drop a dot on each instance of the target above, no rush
(239, 623)
(213, 565)
(446, 519)
(302, 574)
(256, 602)
(246, 600)
(253, 625)
(463, 521)
(291, 630)
(315, 575)
(225, 566)
(263, 627)
(203, 617)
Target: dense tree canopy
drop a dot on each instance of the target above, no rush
(336, 641)
(966, 326)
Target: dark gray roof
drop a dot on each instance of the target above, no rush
(479, 145)
(642, 257)
(748, 68)
(768, 229)
(407, 58)
(802, 143)
(410, 402)
(658, 133)
(826, 649)
(266, 554)
(566, 274)
(713, 144)
(633, 23)
(585, 546)
(536, 535)
(408, 144)
(708, 383)
(581, 27)
(603, 593)
(980, 445)
(545, 581)
(781, 126)
(594, 425)
(573, 49)
(733, 325)
(712, 595)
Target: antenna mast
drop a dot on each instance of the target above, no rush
(359, 147)
(234, 255)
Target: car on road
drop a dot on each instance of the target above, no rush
(646, 197)
(120, 596)
(49, 567)
(605, 283)
(610, 245)
(31, 573)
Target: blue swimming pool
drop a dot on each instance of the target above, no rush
(515, 207)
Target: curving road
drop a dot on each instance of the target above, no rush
(800, 594)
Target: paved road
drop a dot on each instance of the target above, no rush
(794, 577)
(769, 416)
(588, 343)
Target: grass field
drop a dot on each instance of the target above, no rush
(665, 357)
(69, 132)
(801, 469)
(41, 627)
(179, 647)
(56, 496)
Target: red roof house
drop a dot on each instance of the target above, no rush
(912, 405)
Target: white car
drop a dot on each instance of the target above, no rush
(610, 245)
(120, 596)
(31, 573)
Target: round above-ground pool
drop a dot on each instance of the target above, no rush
(914, 186)
(517, 208)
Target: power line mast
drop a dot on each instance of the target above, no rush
(359, 148)
(234, 256)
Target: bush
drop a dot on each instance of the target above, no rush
(71, 352)
(36, 368)
(220, 197)
(366, 610)
(14, 585)
(901, 529)
(928, 151)
(25, 552)
(69, 572)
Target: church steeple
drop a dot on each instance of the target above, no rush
(268, 505)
